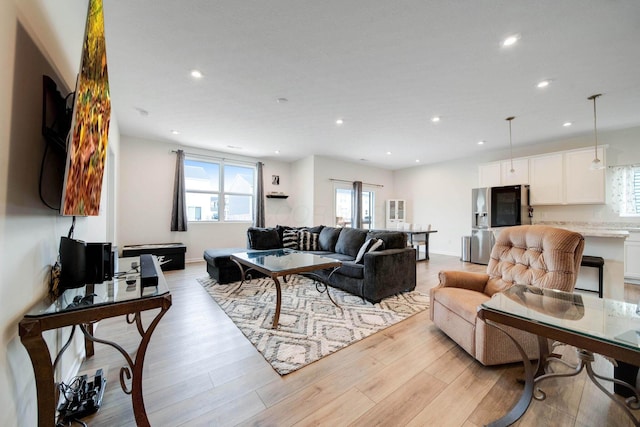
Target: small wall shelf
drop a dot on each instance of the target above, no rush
(277, 196)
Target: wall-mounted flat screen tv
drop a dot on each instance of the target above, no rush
(87, 148)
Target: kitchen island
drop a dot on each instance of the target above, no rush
(606, 242)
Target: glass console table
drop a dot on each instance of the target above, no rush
(82, 307)
(591, 324)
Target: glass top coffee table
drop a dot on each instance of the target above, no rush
(282, 263)
(591, 324)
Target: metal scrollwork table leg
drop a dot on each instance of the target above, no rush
(534, 378)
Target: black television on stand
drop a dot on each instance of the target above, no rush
(56, 123)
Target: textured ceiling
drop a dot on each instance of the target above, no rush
(384, 67)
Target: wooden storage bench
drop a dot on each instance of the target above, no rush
(170, 255)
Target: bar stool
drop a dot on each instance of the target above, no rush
(596, 262)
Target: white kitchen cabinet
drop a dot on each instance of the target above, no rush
(546, 183)
(498, 174)
(490, 175)
(520, 174)
(632, 257)
(583, 185)
(396, 213)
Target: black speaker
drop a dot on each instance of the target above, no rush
(99, 262)
(72, 263)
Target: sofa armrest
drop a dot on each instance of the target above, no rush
(463, 279)
(389, 272)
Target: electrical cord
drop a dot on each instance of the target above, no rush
(73, 226)
(81, 398)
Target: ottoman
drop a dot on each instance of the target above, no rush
(219, 265)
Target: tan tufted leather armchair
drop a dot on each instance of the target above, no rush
(534, 255)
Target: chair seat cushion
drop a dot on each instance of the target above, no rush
(463, 302)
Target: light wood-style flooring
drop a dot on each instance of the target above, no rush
(200, 370)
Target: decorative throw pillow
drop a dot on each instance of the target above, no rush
(369, 246)
(290, 239)
(308, 241)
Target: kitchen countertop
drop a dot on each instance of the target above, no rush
(614, 230)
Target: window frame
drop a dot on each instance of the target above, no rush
(221, 193)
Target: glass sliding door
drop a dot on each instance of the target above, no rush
(344, 208)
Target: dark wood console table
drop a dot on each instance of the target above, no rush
(82, 307)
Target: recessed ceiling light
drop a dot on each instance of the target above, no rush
(417, 160)
(511, 40)
(567, 124)
(196, 74)
(435, 119)
(388, 153)
(544, 83)
(175, 132)
(339, 121)
(277, 151)
(480, 142)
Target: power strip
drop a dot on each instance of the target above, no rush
(86, 400)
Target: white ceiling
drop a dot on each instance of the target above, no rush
(385, 67)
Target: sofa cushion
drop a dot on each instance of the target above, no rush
(290, 239)
(328, 238)
(460, 301)
(350, 241)
(351, 269)
(308, 241)
(368, 246)
(263, 238)
(339, 257)
(316, 230)
(391, 239)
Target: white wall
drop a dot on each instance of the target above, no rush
(29, 231)
(326, 168)
(145, 192)
(440, 195)
(302, 191)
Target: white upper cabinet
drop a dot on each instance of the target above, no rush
(498, 174)
(545, 179)
(489, 175)
(561, 178)
(583, 184)
(520, 174)
(566, 178)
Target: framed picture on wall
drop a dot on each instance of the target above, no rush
(275, 179)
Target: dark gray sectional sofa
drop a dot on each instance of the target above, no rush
(386, 271)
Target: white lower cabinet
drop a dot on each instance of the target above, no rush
(632, 257)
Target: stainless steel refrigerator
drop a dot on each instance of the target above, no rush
(492, 208)
(481, 235)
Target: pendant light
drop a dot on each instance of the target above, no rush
(595, 163)
(512, 170)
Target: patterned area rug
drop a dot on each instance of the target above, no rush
(311, 327)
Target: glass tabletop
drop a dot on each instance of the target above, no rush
(285, 259)
(605, 319)
(125, 286)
